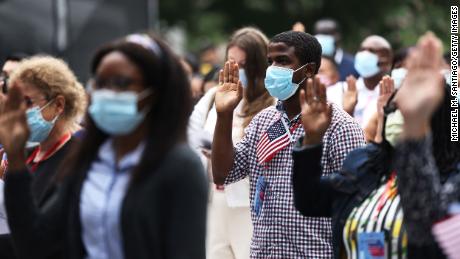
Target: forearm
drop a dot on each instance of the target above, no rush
(222, 148)
(31, 229)
(312, 196)
(349, 108)
(378, 133)
(419, 187)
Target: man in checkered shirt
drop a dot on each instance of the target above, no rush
(280, 231)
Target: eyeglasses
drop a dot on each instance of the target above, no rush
(33, 102)
(118, 83)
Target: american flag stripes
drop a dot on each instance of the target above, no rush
(447, 233)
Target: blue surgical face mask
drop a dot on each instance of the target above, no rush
(39, 127)
(327, 43)
(116, 113)
(243, 77)
(366, 63)
(398, 76)
(278, 82)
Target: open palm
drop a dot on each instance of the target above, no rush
(230, 89)
(14, 131)
(422, 89)
(316, 112)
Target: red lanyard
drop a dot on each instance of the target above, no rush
(50, 152)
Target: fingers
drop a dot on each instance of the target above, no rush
(309, 91)
(226, 71)
(383, 85)
(15, 99)
(240, 89)
(386, 86)
(302, 98)
(391, 85)
(221, 77)
(230, 73)
(431, 51)
(427, 54)
(231, 69)
(298, 26)
(321, 90)
(351, 83)
(236, 73)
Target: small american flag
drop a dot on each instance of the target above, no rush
(274, 139)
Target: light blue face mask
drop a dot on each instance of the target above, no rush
(278, 82)
(39, 127)
(116, 113)
(366, 63)
(327, 43)
(398, 76)
(243, 77)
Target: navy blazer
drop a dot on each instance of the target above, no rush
(347, 67)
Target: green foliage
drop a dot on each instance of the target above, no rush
(400, 21)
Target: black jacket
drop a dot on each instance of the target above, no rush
(336, 195)
(163, 216)
(41, 187)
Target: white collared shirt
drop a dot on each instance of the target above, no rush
(101, 202)
(367, 99)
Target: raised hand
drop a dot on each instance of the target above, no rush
(230, 89)
(316, 112)
(350, 96)
(14, 131)
(298, 26)
(387, 87)
(422, 90)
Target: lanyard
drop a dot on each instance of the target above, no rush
(290, 126)
(390, 192)
(49, 153)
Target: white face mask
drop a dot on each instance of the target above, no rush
(398, 76)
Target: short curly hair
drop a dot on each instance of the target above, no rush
(306, 47)
(53, 77)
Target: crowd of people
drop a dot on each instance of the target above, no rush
(291, 148)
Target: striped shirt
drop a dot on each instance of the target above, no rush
(280, 231)
(381, 212)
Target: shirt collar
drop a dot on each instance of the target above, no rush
(107, 156)
(280, 108)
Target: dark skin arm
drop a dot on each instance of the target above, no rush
(228, 96)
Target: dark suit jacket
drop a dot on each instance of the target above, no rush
(347, 67)
(162, 216)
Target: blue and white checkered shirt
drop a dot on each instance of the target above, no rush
(280, 231)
